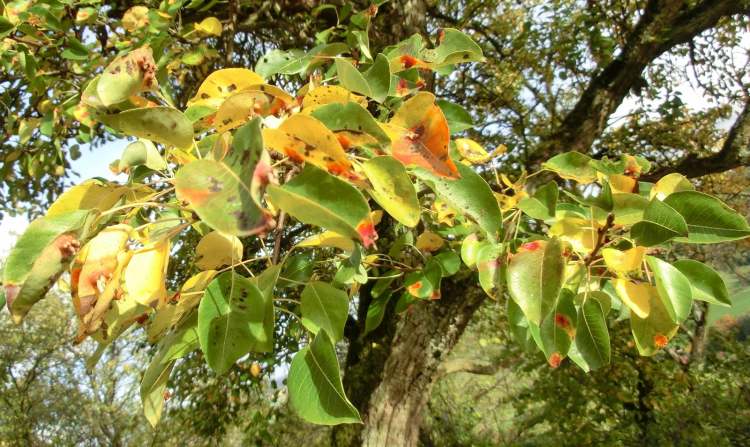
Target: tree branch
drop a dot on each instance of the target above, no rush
(734, 152)
(663, 25)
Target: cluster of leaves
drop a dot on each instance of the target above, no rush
(359, 141)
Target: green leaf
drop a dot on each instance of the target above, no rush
(708, 219)
(592, 336)
(164, 125)
(455, 48)
(469, 248)
(225, 194)
(628, 208)
(519, 327)
(470, 194)
(489, 264)
(378, 76)
(40, 255)
(392, 189)
(324, 307)
(425, 283)
(653, 332)
(572, 165)
(297, 269)
(705, 283)
(142, 153)
(449, 262)
(266, 282)
(660, 223)
(673, 287)
(350, 116)
(458, 118)
(124, 77)
(315, 390)
(351, 79)
(318, 198)
(230, 320)
(535, 277)
(376, 311)
(278, 61)
(542, 204)
(172, 347)
(558, 328)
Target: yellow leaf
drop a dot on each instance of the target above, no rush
(669, 184)
(223, 83)
(507, 202)
(472, 151)
(429, 242)
(636, 295)
(376, 216)
(445, 214)
(328, 239)
(581, 234)
(189, 296)
(144, 276)
(95, 277)
(215, 250)
(304, 138)
(210, 26)
(258, 100)
(91, 194)
(135, 18)
(624, 261)
(620, 183)
(329, 94)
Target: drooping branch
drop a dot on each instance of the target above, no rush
(734, 152)
(663, 25)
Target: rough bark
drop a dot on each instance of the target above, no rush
(390, 373)
(663, 25)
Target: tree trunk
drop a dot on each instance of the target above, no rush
(390, 373)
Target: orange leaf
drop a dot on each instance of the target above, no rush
(421, 136)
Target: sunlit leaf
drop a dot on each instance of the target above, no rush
(660, 223)
(216, 250)
(670, 183)
(708, 219)
(141, 153)
(653, 332)
(210, 26)
(393, 189)
(220, 84)
(623, 261)
(635, 295)
(673, 287)
(164, 125)
(304, 138)
(471, 194)
(127, 76)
